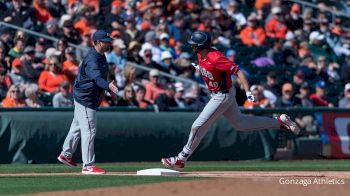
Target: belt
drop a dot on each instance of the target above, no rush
(222, 92)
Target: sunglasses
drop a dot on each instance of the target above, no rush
(15, 91)
(287, 91)
(53, 64)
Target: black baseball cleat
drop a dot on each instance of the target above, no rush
(173, 163)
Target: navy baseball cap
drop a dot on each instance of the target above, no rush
(321, 84)
(102, 35)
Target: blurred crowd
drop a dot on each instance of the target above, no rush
(294, 56)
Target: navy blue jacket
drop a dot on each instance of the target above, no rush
(91, 82)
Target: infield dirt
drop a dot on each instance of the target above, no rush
(231, 183)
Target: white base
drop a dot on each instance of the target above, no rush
(158, 172)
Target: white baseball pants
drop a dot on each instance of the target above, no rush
(83, 126)
(223, 104)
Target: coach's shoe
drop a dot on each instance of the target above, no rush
(66, 161)
(173, 163)
(288, 124)
(93, 170)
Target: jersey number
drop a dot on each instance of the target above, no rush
(213, 84)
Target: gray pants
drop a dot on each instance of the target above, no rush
(223, 104)
(83, 126)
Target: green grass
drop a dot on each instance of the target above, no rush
(26, 185)
(309, 165)
(22, 185)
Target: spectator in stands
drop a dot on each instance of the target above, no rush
(151, 41)
(86, 23)
(298, 80)
(288, 99)
(49, 81)
(17, 50)
(71, 65)
(176, 28)
(131, 31)
(140, 97)
(271, 84)
(114, 17)
(42, 13)
(290, 50)
(13, 98)
(5, 39)
(146, 54)
(332, 72)
(276, 27)
(294, 20)
(15, 74)
(179, 93)
(237, 17)
(321, 68)
(305, 32)
(51, 29)
(122, 77)
(331, 38)
(62, 45)
(167, 99)
(168, 65)
(84, 46)
(3, 58)
(194, 100)
(164, 44)
(32, 100)
(252, 34)
(116, 56)
(303, 95)
(5, 83)
(129, 97)
(64, 98)
(56, 8)
(40, 48)
(337, 28)
(133, 52)
(70, 33)
(318, 98)
(345, 101)
(31, 67)
(318, 47)
(260, 102)
(16, 14)
(153, 88)
(345, 70)
(276, 53)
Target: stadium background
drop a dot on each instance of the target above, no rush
(296, 55)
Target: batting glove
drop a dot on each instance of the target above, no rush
(196, 66)
(250, 96)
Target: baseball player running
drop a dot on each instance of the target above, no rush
(88, 91)
(216, 71)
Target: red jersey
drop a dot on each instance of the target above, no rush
(216, 70)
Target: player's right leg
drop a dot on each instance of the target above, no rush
(70, 143)
(87, 123)
(211, 112)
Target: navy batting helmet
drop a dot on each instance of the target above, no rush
(200, 40)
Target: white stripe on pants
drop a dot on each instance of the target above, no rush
(223, 104)
(83, 126)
